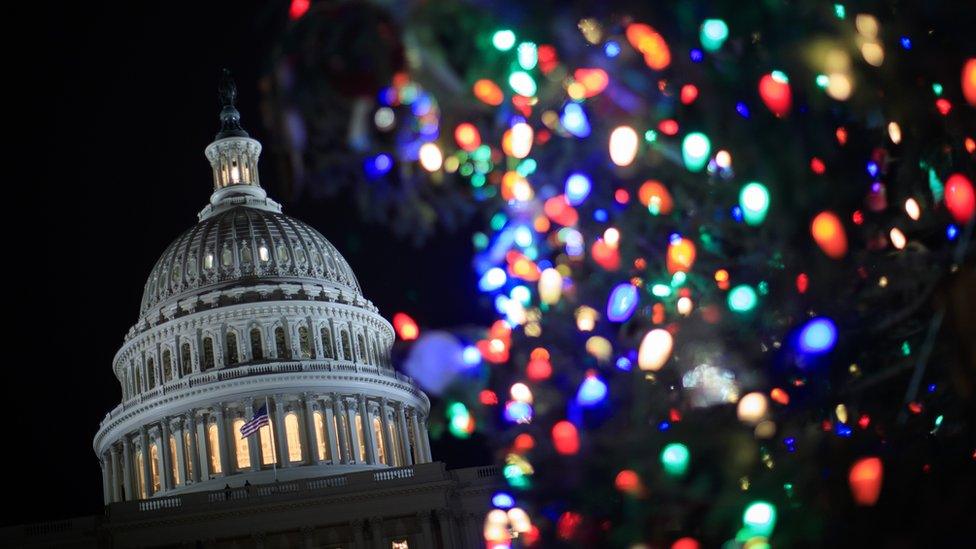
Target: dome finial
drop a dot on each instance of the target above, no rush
(230, 119)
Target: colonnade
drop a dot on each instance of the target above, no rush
(305, 429)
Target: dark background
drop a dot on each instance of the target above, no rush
(125, 103)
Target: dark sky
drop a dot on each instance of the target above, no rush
(127, 96)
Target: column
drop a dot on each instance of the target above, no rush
(354, 435)
(116, 484)
(387, 439)
(425, 441)
(330, 433)
(202, 458)
(164, 454)
(106, 479)
(254, 439)
(312, 434)
(146, 468)
(338, 408)
(404, 436)
(418, 445)
(194, 465)
(222, 450)
(130, 493)
(180, 479)
(427, 537)
(372, 455)
(376, 532)
(357, 534)
(282, 436)
(447, 534)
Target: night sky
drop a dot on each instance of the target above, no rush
(127, 96)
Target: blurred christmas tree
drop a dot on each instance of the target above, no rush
(729, 246)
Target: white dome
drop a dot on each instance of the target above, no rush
(243, 246)
(253, 310)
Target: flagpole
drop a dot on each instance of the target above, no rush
(274, 456)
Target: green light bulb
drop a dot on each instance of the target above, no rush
(713, 34)
(695, 149)
(674, 458)
(760, 518)
(742, 299)
(503, 40)
(754, 201)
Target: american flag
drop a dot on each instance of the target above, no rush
(259, 420)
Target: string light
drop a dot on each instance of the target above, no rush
(695, 149)
(623, 145)
(655, 350)
(754, 201)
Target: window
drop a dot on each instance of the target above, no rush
(231, 348)
(138, 380)
(263, 254)
(187, 453)
(292, 434)
(246, 255)
(213, 442)
(257, 353)
(320, 434)
(243, 449)
(186, 360)
(361, 456)
(267, 445)
(167, 366)
(226, 257)
(151, 373)
(154, 466)
(326, 342)
(380, 446)
(361, 350)
(208, 261)
(141, 474)
(346, 346)
(280, 344)
(173, 463)
(344, 425)
(400, 544)
(282, 253)
(394, 443)
(208, 353)
(304, 343)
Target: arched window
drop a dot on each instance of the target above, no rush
(186, 359)
(154, 466)
(167, 366)
(304, 343)
(320, 434)
(281, 345)
(346, 346)
(376, 354)
(263, 254)
(257, 352)
(151, 373)
(213, 442)
(231, 358)
(326, 335)
(267, 445)
(378, 435)
(173, 463)
(208, 353)
(243, 447)
(361, 350)
(294, 442)
(141, 474)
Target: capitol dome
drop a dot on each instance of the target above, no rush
(255, 356)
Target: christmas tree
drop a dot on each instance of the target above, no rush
(729, 248)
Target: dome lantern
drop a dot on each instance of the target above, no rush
(233, 155)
